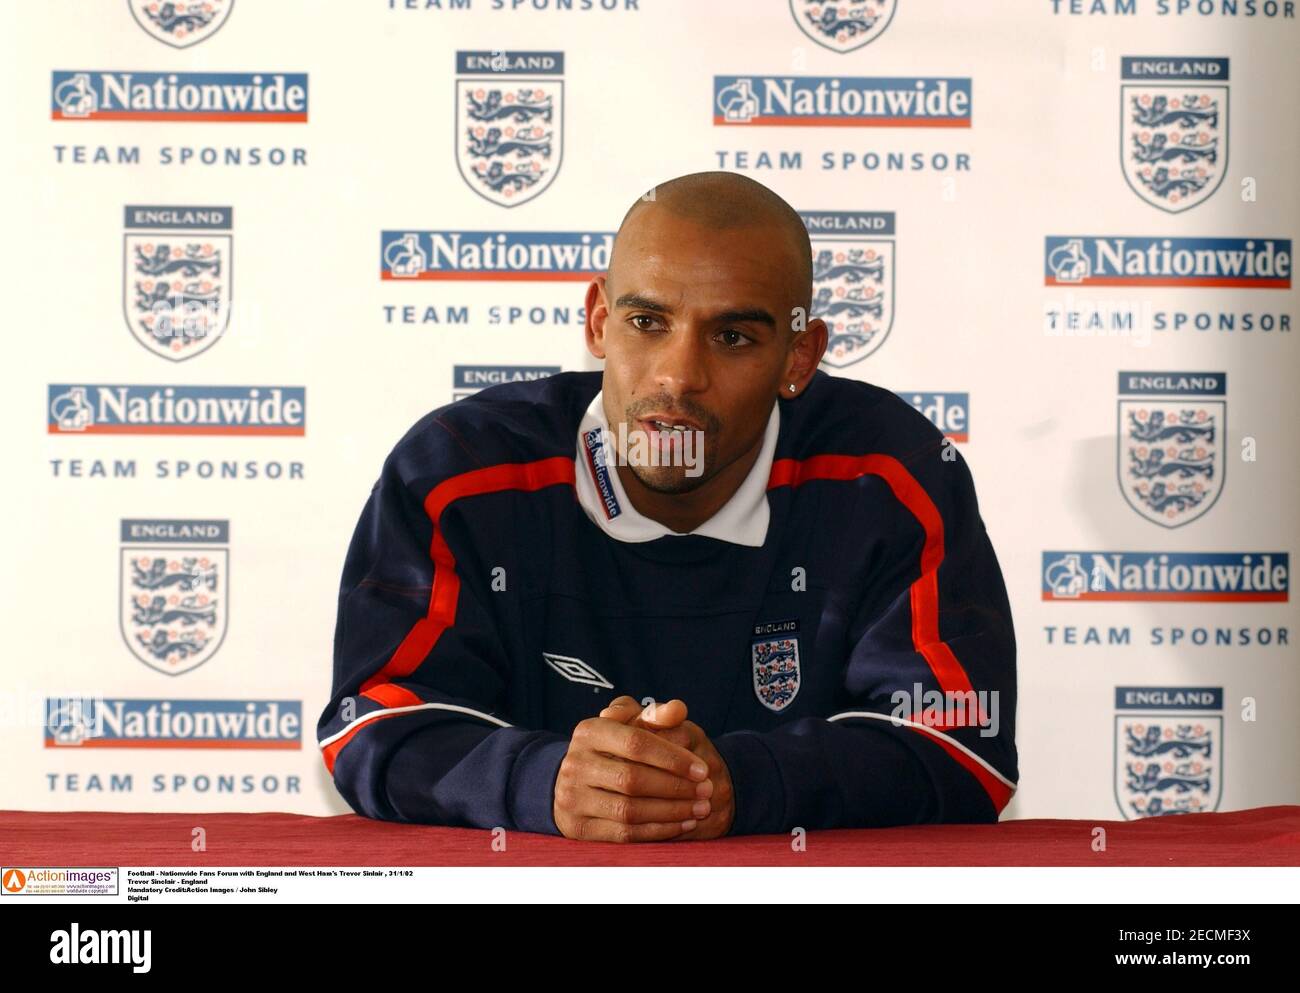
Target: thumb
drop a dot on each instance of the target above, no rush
(680, 736)
(659, 716)
(654, 716)
(622, 709)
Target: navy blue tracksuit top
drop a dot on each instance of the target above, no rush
(825, 628)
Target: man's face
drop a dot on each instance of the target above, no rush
(694, 327)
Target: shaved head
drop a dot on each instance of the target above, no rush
(730, 202)
(702, 320)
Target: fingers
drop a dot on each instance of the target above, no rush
(591, 802)
(668, 720)
(595, 829)
(681, 736)
(663, 715)
(634, 779)
(626, 709)
(639, 745)
(631, 776)
(621, 709)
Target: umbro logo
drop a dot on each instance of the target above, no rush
(576, 670)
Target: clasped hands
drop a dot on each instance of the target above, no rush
(642, 774)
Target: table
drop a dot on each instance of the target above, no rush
(1260, 836)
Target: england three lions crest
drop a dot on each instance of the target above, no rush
(1174, 130)
(1170, 435)
(775, 663)
(843, 27)
(853, 280)
(176, 277)
(1169, 760)
(181, 23)
(509, 123)
(175, 591)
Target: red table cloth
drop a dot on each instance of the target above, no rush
(1262, 836)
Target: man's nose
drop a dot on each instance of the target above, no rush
(682, 362)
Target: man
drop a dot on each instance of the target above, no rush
(810, 586)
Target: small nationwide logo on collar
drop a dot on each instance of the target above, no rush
(576, 670)
(593, 443)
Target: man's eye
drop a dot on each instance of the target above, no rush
(740, 340)
(641, 317)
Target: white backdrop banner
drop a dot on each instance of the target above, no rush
(260, 238)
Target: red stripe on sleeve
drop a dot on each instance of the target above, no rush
(924, 591)
(424, 634)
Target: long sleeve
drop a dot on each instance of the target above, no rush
(935, 643)
(413, 730)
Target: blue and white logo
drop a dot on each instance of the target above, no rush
(469, 379)
(1166, 577)
(1174, 129)
(181, 23)
(509, 123)
(1170, 443)
(774, 658)
(224, 97)
(176, 277)
(99, 408)
(853, 280)
(1139, 260)
(175, 591)
(474, 256)
(1168, 750)
(118, 722)
(843, 27)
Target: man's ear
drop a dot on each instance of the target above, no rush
(806, 351)
(597, 312)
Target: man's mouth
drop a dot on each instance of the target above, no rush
(672, 426)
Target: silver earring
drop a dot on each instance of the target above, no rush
(791, 387)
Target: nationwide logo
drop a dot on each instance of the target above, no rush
(1204, 577)
(98, 722)
(109, 95)
(181, 23)
(1168, 750)
(469, 379)
(949, 412)
(1173, 128)
(1089, 260)
(176, 277)
(509, 123)
(840, 27)
(853, 280)
(244, 410)
(174, 591)
(468, 256)
(856, 101)
(1169, 443)
(593, 444)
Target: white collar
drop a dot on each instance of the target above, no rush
(742, 520)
